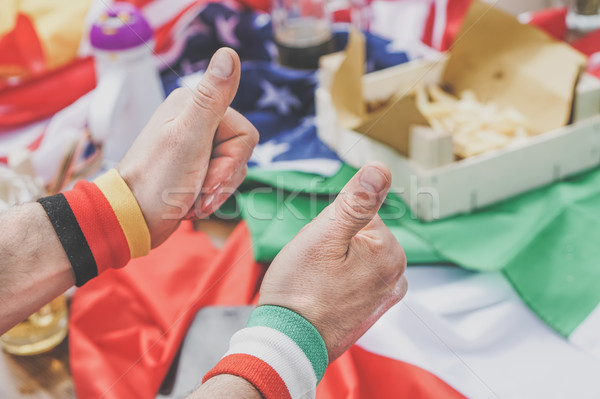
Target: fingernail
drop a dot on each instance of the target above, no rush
(207, 201)
(373, 180)
(222, 64)
(202, 215)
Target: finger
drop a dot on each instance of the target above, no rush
(375, 225)
(234, 126)
(234, 141)
(233, 145)
(211, 97)
(213, 201)
(375, 245)
(357, 204)
(399, 291)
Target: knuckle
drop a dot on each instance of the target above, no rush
(250, 140)
(400, 257)
(207, 96)
(398, 261)
(400, 290)
(378, 247)
(395, 263)
(253, 136)
(397, 296)
(352, 206)
(239, 175)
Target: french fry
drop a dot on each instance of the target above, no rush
(475, 127)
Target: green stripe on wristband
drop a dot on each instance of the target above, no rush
(300, 330)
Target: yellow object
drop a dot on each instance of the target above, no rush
(128, 212)
(40, 332)
(124, 17)
(59, 25)
(8, 16)
(389, 124)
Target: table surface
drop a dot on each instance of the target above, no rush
(48, 375)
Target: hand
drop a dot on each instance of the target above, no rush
(343, 270)
(192, 154)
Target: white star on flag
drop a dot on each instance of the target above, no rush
(226, 30)
(264, 154)
(261, 20)
(279, 97)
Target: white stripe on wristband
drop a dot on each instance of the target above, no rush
(281, 353)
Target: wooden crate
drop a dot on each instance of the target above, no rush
(434, 186)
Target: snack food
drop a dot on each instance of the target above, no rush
(475, 127)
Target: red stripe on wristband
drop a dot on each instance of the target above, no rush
(257, 372)
(99, 225)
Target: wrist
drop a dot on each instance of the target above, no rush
(99, 225)
(279, 352)
(226, 386)
(162, 210)
(126, 208)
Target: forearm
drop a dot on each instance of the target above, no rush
(226, 386)
(66, 239)
(34, 268)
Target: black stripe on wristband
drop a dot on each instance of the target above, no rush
(71, 237)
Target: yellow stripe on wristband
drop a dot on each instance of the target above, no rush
(127, 210)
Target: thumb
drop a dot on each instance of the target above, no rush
(357, 204)
(211, 97)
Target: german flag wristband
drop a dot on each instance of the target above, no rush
(279, 352)
(100, 225)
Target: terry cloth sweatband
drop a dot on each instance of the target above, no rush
(100, 225)
(279, 352)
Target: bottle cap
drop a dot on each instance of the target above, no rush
(121, 27)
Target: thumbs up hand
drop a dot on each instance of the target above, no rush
(192, 154)
(343, 270)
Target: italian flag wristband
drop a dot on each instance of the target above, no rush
(100, 225)
(279, 352)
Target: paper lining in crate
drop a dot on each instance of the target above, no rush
(432, 183)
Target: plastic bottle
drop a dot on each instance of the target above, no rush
(129, 87)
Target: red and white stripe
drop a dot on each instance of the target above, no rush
(475, 333)
(279, 352)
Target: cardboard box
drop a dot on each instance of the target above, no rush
(432, 184)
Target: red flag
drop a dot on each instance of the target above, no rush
(42, 97)
(362, 374)
(444, 22)
(553, 21)
(126, 326)
(21, 50)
